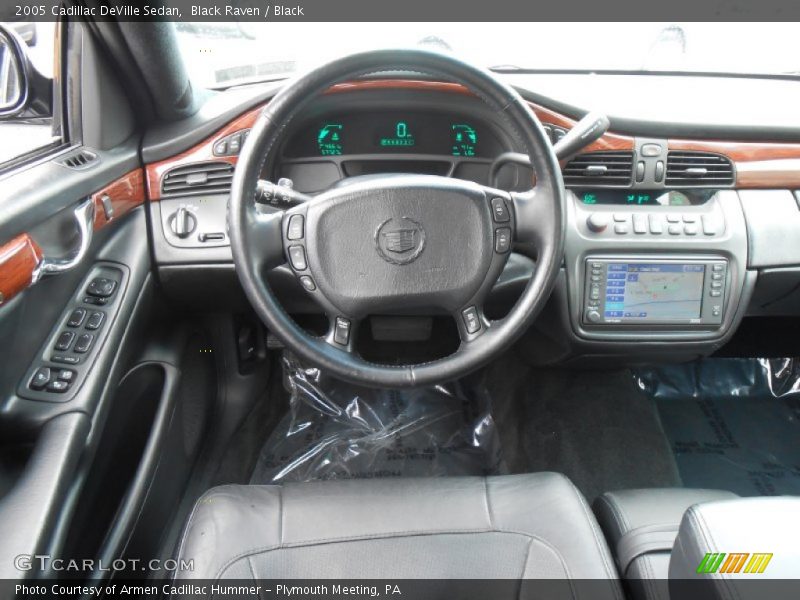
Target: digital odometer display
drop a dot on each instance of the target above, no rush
(646, 197)
(394, 132)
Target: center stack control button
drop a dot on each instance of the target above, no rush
(655, 224)
(639, 223)
(297, 256)
(597, 222)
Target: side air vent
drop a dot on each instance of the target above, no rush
(196, 179)
(697, 169)
(600, 168)
(79, 160)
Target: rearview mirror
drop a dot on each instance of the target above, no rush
(13, 82)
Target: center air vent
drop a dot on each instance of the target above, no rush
(600, 168)
(698, 169)
(199, 178)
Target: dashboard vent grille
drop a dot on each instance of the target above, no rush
(79, 160)
(200, 178)
(692, 169)
(600, 168)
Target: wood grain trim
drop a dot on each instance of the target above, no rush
(126, 193)
(399, 84)
(758, 164)
(18, 260)
(202, 152)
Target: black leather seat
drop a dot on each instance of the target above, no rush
(535, 526)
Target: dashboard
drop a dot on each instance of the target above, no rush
(669, 242)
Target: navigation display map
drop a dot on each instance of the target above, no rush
(657, 292)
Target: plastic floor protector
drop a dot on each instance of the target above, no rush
(336, 430)
(733, 424)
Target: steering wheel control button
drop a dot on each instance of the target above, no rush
(502, 240)
(297, 256)
(639, 223)
(296, 228)
(95, 320)
(77, 317)
(101, 287)
(341, 331)
(67, 359)
(471, 321)
(597, 222)
(40, 378)
(500, 210)
(64, 340)
(308, 283)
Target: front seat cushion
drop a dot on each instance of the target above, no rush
(519, 526)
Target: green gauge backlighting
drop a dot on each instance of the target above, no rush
(329, 139)
(402, 137)
(638, 199)
(590, 198)
(464, 139)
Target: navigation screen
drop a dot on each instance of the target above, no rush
(654, 292)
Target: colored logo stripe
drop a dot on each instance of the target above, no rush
(758, 563)
(714, 562)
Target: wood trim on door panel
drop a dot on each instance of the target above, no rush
(126, 193)
(18, 261)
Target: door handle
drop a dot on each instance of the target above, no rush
(84, 219)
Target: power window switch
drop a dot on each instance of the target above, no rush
(77, 317)
(40, 378)
(64, 340)
(58, 387)
(84, 343)
(95, 320)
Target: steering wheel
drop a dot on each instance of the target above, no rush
(398, 242)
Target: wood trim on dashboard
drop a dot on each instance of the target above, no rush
(18, 261)
(202, 152)
(758, 165)
(126, 193)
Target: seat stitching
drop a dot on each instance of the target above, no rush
(613, 575)
(265, 549)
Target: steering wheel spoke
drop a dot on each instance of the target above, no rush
(264, 244)
(536, 220)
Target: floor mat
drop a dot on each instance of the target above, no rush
(336, 430)
(733, 424)
(596, 427)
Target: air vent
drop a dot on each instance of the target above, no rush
(200, 178)
(698, 169)
(79, 160)
(600, 168)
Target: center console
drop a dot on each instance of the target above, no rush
(652, 266)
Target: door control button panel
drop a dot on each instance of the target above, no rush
(68, 354)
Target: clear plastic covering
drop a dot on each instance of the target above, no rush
(733, 423)
(336, 430)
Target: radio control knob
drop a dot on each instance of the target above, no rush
(597, 222)
(183, 222)
(593, 316)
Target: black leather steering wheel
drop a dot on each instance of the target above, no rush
(392, 243)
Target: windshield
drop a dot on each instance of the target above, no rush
(225, 54)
